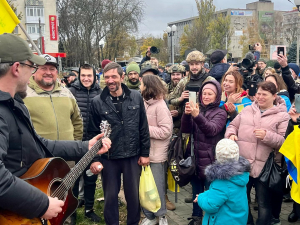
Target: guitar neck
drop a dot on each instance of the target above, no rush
(76, 171)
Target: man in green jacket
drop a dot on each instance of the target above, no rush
(52, 107)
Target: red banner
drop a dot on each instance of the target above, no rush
(53, 28)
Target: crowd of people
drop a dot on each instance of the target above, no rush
(231, 117)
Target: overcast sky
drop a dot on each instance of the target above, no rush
(160, 12)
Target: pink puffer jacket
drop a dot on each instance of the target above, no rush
(274, 121)
(160, 128)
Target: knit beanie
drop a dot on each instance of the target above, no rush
(226, 150)
(277, 65)
(211, 87)
(104, 63)
(133, 66)
(294, 67)
(262, 60)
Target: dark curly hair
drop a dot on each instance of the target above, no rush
(153, 87)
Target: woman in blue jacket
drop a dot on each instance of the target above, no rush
(234, 98)
(226, 200)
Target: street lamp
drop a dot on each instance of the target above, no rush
(297, 3)
(171, 32)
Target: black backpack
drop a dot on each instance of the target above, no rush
(181, 169)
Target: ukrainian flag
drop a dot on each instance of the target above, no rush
(291, 150)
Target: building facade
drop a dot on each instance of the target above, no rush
(262, 10)
(39, 18)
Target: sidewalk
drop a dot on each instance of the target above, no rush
(184, 210)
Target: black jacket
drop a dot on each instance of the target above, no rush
(130, 134)
(218, 70)
(146, 58)
(293, 87)
(84, 97)
(20, 147)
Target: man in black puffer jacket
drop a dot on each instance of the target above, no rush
(124, 110)
(84, 90)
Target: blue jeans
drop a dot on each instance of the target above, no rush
(198, 188)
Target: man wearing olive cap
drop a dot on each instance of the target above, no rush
(20, 146)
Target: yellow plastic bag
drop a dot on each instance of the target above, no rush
(149, 197)
(171, 182)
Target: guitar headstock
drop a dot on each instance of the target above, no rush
(105, 128)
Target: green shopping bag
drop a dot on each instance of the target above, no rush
(149, 196)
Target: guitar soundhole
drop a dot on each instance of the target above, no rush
(57, 191)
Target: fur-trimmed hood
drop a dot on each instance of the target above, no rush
(231, 170)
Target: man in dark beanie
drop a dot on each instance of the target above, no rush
(220, 65)
(277, 67)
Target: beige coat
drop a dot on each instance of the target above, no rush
(160, 128)
(274, 121)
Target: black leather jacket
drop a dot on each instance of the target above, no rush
(130, 134)
(20, 147)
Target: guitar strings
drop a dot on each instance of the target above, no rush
(67, 182)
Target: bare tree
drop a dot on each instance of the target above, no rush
(83, 24)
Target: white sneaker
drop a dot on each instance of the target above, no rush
(163, 220)
(146, 221)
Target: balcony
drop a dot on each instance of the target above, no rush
(33, 14)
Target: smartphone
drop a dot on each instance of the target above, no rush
(193, 96)
(251, 47)
(252, 88)
(297, 102)
(280, 50)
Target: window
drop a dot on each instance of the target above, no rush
(35, 11)
(34, 29)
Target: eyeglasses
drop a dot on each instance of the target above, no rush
(33, 68)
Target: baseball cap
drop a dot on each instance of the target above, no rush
(70, 75)
(15, 49)
(50, 60)
(217, 56)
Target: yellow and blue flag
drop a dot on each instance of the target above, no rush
(291, 151)
(8, 19)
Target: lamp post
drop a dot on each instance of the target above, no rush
(171, 32)
(297, 3)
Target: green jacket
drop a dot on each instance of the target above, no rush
(180, 87)
(55, 116)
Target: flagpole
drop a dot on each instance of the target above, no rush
(29, 38)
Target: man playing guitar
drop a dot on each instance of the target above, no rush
(20, 146)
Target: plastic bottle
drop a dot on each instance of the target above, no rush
(89, 173)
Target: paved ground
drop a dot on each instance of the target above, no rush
(184, 210)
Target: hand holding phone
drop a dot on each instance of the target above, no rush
(297, 103)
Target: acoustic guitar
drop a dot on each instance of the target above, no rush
(54, 177)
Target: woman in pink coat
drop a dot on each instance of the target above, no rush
(258, 130)
(160, 128)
